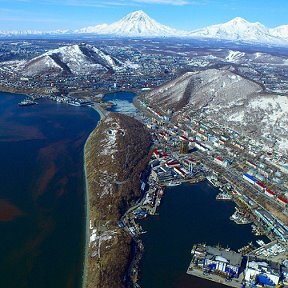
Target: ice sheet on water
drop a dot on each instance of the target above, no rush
(124, 106)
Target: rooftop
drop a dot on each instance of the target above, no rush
(232, 257)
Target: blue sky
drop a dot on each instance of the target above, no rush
(180, 14)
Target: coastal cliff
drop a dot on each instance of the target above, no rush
(116, 153)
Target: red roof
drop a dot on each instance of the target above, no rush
(261, 185)
(282, 199)
(180, 170)
(270, 192)
(173, 163)
(219, 158)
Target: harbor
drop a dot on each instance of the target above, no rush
(176, 162)
(188, 214)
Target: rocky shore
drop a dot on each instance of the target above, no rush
(115, 154)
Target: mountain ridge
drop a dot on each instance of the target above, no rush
(139, 24)
(228, 99)
(71, 59)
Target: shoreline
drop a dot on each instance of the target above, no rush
(87, 213)
(101, 112)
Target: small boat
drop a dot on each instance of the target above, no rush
(172, 183)
(224, 196)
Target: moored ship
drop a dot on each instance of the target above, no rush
(27, 102)
(173, 183)
(240, 217)
(224, 196)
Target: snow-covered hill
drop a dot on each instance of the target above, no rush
(73, 59)
(137, 23)
(203, 88)
(238, 29)
(240, 57)
(228, 99)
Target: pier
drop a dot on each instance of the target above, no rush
(216, 264)
(213, 277)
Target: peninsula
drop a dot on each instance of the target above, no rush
(116, 153)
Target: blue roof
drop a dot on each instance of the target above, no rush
(250, 177)
(263, 279)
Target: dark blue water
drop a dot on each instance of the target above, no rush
(122, 102)
(42, 196)
(189, 214)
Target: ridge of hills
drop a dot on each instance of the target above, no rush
(226, 98)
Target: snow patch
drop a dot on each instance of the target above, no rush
(234, 56)
(237, 117)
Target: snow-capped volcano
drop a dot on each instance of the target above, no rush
(137, 23)
(238, 29)
(73, 59)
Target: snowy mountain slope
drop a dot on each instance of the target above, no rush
(238, 29)
(74, 59)
(237, 57)
(13, 33)
(270, 112)
(227, 99)
(19, 33)
(140, 24)
(137, 23)
(280, 31)
(202, 88)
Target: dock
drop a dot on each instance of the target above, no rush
(237, 283)
(216, 264)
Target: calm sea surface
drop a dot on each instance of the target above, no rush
(42, 196)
